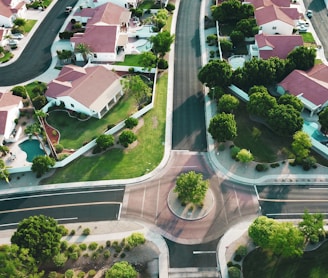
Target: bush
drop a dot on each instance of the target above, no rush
(162, 64)
(241, 251)
(60, 259)
(83, 246)
(131, 122)
(74, 255)
(52, 274)
(93, 246)
(170, 7)
(69, 273)
(106, 254)
(66, 35)
(122, 255)
(233, 272)
(63, 245)
(95, 255)
(86, 232)
(234, 151)
(237, 258)
(108, 243)
(72, 233)
(59, 148)
(274, 165)
(127, 137)
(63, 230)
(136, 239)
(92, 273)
(81, 274)
(261, 167)
(19, 91)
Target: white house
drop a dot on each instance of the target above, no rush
(10, 10)
(105, 33)
(92, 91)
(274, 20)
(9, 111)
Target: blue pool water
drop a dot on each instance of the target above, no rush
(32, 149)
(311, 128)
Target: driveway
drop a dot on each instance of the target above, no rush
(36, 57)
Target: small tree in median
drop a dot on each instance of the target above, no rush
(127, 137)
(41, 164)
(191, 188)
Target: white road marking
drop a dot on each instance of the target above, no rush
(292, 201)
(203, 252)
(237, 200)
(257, 194)
(60, 193)
(158, 187)
(143, 201)
(296, 213)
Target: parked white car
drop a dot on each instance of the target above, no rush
(13, 43)
(17, 36)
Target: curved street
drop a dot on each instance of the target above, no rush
(36, 57)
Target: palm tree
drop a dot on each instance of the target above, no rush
(85, 51)
(35, 129)
(4, 150)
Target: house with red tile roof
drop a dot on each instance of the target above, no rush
(10, 106)
(123, 3)
(280, 46)
(105, 32)
(273, 20)
(92, 91)
(265, 3)
(10, 10)
(311, 87)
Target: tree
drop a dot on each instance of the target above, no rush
(136, 239)
(301, 145)
(162, 43)
(59, 259)
(302, 57)
(39, 101)
(228, 103)
(248, 27)
(127, 137)
(84, 50)
(36, 130)
(260, 104)
(258, 89)
(16, 262)
(64, 55)
(191, 188)
(131, 122)
(160, 19)
(4, 174)
(233, 272)
(105, 141)
(282, 238)
(136, 87)
(216, 73)
(292, 100)
(19, 91)
(121, 270)
(244, 156)
(226, 45)
(40, 235)
(285, 120)
(323, 120)
(4, 150)
(20, 22)
(223, 127)
(312, 227)
(148, 60)
(231, 11)
(237, 37)
(41, 164)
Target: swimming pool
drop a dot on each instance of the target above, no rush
(237, 61)
(312, 129)
(31, 148)
(143, 45)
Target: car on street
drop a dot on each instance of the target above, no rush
(309, 13)
(68, 9)
(17, 36)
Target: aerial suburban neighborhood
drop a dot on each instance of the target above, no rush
(163, 138)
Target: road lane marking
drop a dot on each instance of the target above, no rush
(119, 212)
(158, 186)
(60, 193)
(60, 206)
(296, 213)
(319, 188)
(143, 201)
(237, 200)
(257, 193)
(203, 252)
(58, 219)
(292, 201)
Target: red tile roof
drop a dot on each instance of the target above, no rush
(262, 3)
(281, 45)
(313, 84)
(101, 39)
(271, 13)
(85, 88)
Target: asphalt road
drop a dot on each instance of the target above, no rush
(289, 202)
(36, 57)
(69, 206)
(189, 129)
(319, 20)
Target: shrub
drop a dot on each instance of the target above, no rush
(127, 137)
(59, 148)
(83, 246)
(136, 239)
(170, 7)
(131, 122)
(95, 255)
(237, 258)
(74, 255)
(118, 248)
(66, 35)
(229, 264)
(60, 259)
(86, 232)
(241, 251)
(63, 245)
(81, 274)
(100, 248)
(233, 272)
(92, 273)
(122, 255)
(274, 165)
(131, 70)
(234, 151)
(108, 243)
(72, 233)
(93, 246)
(261, 167)
(162, 64)
(19, 91)
(106, 254)
(52, 274)
(63, 230)
(69, 273)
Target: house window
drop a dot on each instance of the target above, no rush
(274, 27)
(72, 105)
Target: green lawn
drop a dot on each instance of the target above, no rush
(29, 25)
(311, 265)
(8, 55)
(130, 60)
(308, 37)
(119, 163)
(85, 131)
(147, 4)
(268, 147)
